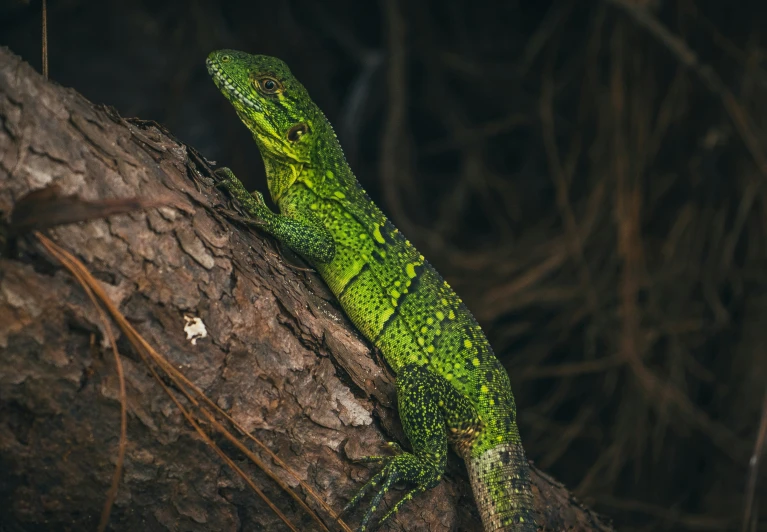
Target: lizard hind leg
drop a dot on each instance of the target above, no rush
(428, 405)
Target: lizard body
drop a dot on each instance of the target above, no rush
(451, 389)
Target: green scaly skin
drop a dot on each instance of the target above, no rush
(450, 387)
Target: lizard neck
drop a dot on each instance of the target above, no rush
(281, 173)
(328, 169)
(325, 173)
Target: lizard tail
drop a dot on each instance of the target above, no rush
(500, 480)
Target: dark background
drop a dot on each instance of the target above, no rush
(594, 191)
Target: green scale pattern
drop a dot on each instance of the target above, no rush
(451, 388)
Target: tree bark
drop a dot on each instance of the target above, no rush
(279, 355)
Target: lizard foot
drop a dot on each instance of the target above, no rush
(226, 177)
(235, 187)
(405, 467)
(253, 203)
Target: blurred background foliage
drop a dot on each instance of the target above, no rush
(589, 176)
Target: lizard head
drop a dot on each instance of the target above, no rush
(273, 105)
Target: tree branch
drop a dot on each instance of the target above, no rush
(278, 355)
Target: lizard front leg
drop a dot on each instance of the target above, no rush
(430, 409)
(303, 235)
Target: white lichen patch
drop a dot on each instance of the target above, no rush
(351, 412)
(194, 329)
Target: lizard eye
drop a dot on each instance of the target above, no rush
(296, 132)
(268, 85)
(225, 58)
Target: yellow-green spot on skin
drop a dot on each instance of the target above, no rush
(467, 343)
(429, 321)
(420, 341)
(330, 174)
(397, 283)
(314, 206)
(424, 329)
(394, 294)
(444, 302)
(393, 302)
(483, 389)
(449, 376)
(475, 362)
(451, 315)
(430, 349)
(440, 315)
(410, 270)
(339, 194)
(457, 365)
(441, 403)
(378, 236)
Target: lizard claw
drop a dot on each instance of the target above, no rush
(392, 445)
(259, 198)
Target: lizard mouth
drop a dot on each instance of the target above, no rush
(229, 87)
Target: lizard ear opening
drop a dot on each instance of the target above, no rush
(297, 131)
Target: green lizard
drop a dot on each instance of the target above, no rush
(450, 387)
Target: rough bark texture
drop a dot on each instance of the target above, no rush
(280, 357)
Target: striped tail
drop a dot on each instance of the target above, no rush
(500, 480)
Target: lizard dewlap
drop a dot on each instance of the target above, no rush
(451, 390)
